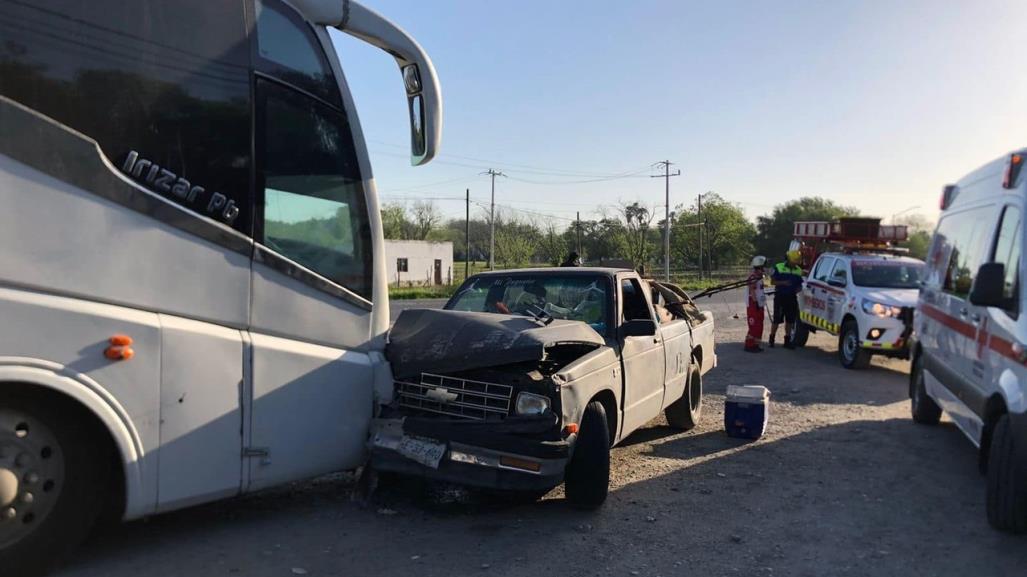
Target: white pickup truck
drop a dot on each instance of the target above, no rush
(527, 378)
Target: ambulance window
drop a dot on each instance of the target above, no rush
(287, 49)
(841, 272)
(964, 236)
(1007, 249)
(823, 268)
(169, 81)
(312, 207)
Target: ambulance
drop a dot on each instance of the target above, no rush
(862, 291)
(969, 356)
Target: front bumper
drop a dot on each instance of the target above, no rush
(520, 454)
(888, 336)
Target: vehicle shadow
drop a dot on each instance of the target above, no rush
(809, 503)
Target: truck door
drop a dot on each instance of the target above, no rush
(642, 358)
(839, 281)
(311, 308)
(813, 303)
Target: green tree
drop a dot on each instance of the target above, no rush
(774, 231)
(552, 247)
(727, 234)
(638, 240)
(394, 221)
(920, 230)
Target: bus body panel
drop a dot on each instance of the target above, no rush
(201, 412)
(311, 409)
(68, 337)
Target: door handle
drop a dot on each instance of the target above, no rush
(963, 312)
(976, 318)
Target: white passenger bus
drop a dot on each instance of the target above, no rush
(193, 298)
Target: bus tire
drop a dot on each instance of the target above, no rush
(587, 479)
(1007, 480)
(54, 470)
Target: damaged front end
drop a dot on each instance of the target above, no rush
(474, 401)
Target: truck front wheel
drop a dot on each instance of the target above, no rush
(53, 474)
(850, 351)
(587, 479)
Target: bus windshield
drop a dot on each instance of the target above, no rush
(887, 274)
(572, 297)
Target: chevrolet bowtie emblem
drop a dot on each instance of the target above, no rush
(441, 395)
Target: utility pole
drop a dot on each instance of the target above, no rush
(666, 215)
(699, 215)
(492, 217)
(467, 236)
(577, 229)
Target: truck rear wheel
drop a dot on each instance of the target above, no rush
(800, 334)
(1007, 480)
(850, 351)
(53, 475)
(684, 413)
(587, 479)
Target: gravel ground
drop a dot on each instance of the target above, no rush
(842, 484)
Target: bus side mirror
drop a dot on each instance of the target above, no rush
(421, 84)
(989, 286)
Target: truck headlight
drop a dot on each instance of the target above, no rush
(531, 404)
(881, 310)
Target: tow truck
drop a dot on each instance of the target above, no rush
(859, 287)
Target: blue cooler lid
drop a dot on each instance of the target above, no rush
(747, 394)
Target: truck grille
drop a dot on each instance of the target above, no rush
(455, 397)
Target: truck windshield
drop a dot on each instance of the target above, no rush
(887, 274)
(579, 298)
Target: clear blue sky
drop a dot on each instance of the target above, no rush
(869, 103)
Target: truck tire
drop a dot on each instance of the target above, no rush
(1007, 480)
(925, 410)
(54, 472)
(800, 334)
(850, 353)
(587, 479)
(684, 413)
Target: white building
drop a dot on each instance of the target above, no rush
(419, 262)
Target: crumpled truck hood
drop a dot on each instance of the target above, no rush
(441, 341)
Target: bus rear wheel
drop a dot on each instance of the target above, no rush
(53, 471)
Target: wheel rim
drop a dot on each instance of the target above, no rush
(31, 474)
(849, 345)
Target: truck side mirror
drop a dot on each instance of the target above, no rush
(989, 286)
(638, 328)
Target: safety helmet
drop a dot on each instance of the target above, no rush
(758, 261)
(793, 256)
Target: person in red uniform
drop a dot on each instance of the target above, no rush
(756, 300)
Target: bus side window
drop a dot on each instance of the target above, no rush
(313, 209)
(163, 87)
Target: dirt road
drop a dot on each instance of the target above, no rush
(843, 484)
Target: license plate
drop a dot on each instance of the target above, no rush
(424, 451)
